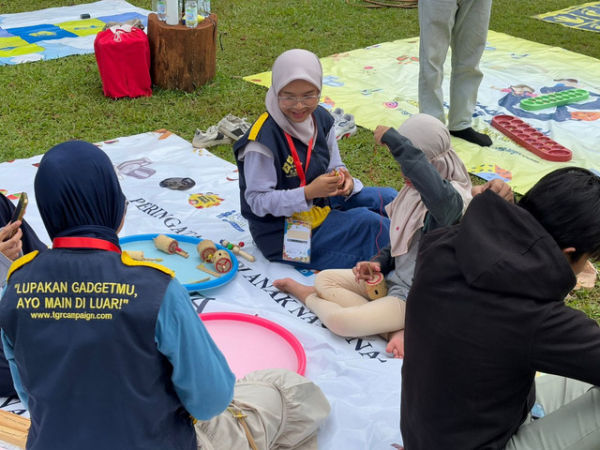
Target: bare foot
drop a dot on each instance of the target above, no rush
(298, 290)
(396, 344)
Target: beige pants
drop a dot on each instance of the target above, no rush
(283, 410)
(342, 305)
(571, 420)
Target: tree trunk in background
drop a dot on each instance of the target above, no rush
(181, 57)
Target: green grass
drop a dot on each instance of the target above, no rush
(49, 102)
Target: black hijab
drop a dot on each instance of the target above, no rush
(78, 192)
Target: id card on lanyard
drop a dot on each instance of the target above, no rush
(297, 233)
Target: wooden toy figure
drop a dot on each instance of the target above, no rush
(237, 250)
(169, 245)
(206, 250)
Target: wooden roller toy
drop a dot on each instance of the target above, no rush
(222, 261)
(169, 245)
(206, 250)
(237, 250)
(376, 286)
(138, 255)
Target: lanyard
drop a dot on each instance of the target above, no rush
(84, 242)
(297, 162)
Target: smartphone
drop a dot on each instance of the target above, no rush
(19, 211)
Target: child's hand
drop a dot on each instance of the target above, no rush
(346, 185)
(361, 270)
(11, 247)
(379, 132)
(325, 185)
(498, 186)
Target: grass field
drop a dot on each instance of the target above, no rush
(49, 102)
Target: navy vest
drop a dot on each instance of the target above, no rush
(82, 324)
(267, 231)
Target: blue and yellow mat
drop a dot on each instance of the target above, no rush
(582, 17)
(56, 32)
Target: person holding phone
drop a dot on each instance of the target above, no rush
(16, 238)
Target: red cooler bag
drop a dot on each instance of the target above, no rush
(123, 57)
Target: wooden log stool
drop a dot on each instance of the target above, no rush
(181, 57)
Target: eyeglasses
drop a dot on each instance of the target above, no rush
(306, 100)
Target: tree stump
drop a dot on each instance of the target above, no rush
(181, 57)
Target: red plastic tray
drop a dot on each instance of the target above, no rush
(530, 138)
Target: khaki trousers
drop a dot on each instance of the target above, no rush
(571, 420)
(283, 410)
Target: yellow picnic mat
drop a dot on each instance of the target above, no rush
(378, 85)
(582, 17)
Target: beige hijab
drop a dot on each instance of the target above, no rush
(291, 65)
(407, 211)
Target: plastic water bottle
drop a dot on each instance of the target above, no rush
(160, 8)
(173, 14)
(191, 13)
(204, 8)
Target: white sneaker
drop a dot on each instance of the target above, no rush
(233, 126)
(346, 127)
(211, 137)
(337, 114)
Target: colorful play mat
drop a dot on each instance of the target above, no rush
(192, 194)
(56, 32)
(582, 17)
(378, 85)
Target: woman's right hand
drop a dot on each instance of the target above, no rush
(11, 246)
(361, 270)
(325, 185)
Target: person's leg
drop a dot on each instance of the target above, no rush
(376, 317)
(571, 420)
(346, 237)
(373, 198)
(395, 344)
(436, 19)
(281, 410)
(340, 286)
(468, 43)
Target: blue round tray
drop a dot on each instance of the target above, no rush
(184, 268)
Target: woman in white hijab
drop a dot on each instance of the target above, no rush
(437, 189)
(291, 170)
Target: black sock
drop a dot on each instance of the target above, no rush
(469, 134)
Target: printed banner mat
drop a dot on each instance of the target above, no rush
(582, 17)
(56, 32)
(360, 380)
(378, 85)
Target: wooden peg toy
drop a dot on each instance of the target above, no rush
(169, 245)
(206, 250)
(237, 250)
(138, 255)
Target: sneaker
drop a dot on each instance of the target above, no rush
(346, 127)
(212, 136)
(337, 114)
(233, 126)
